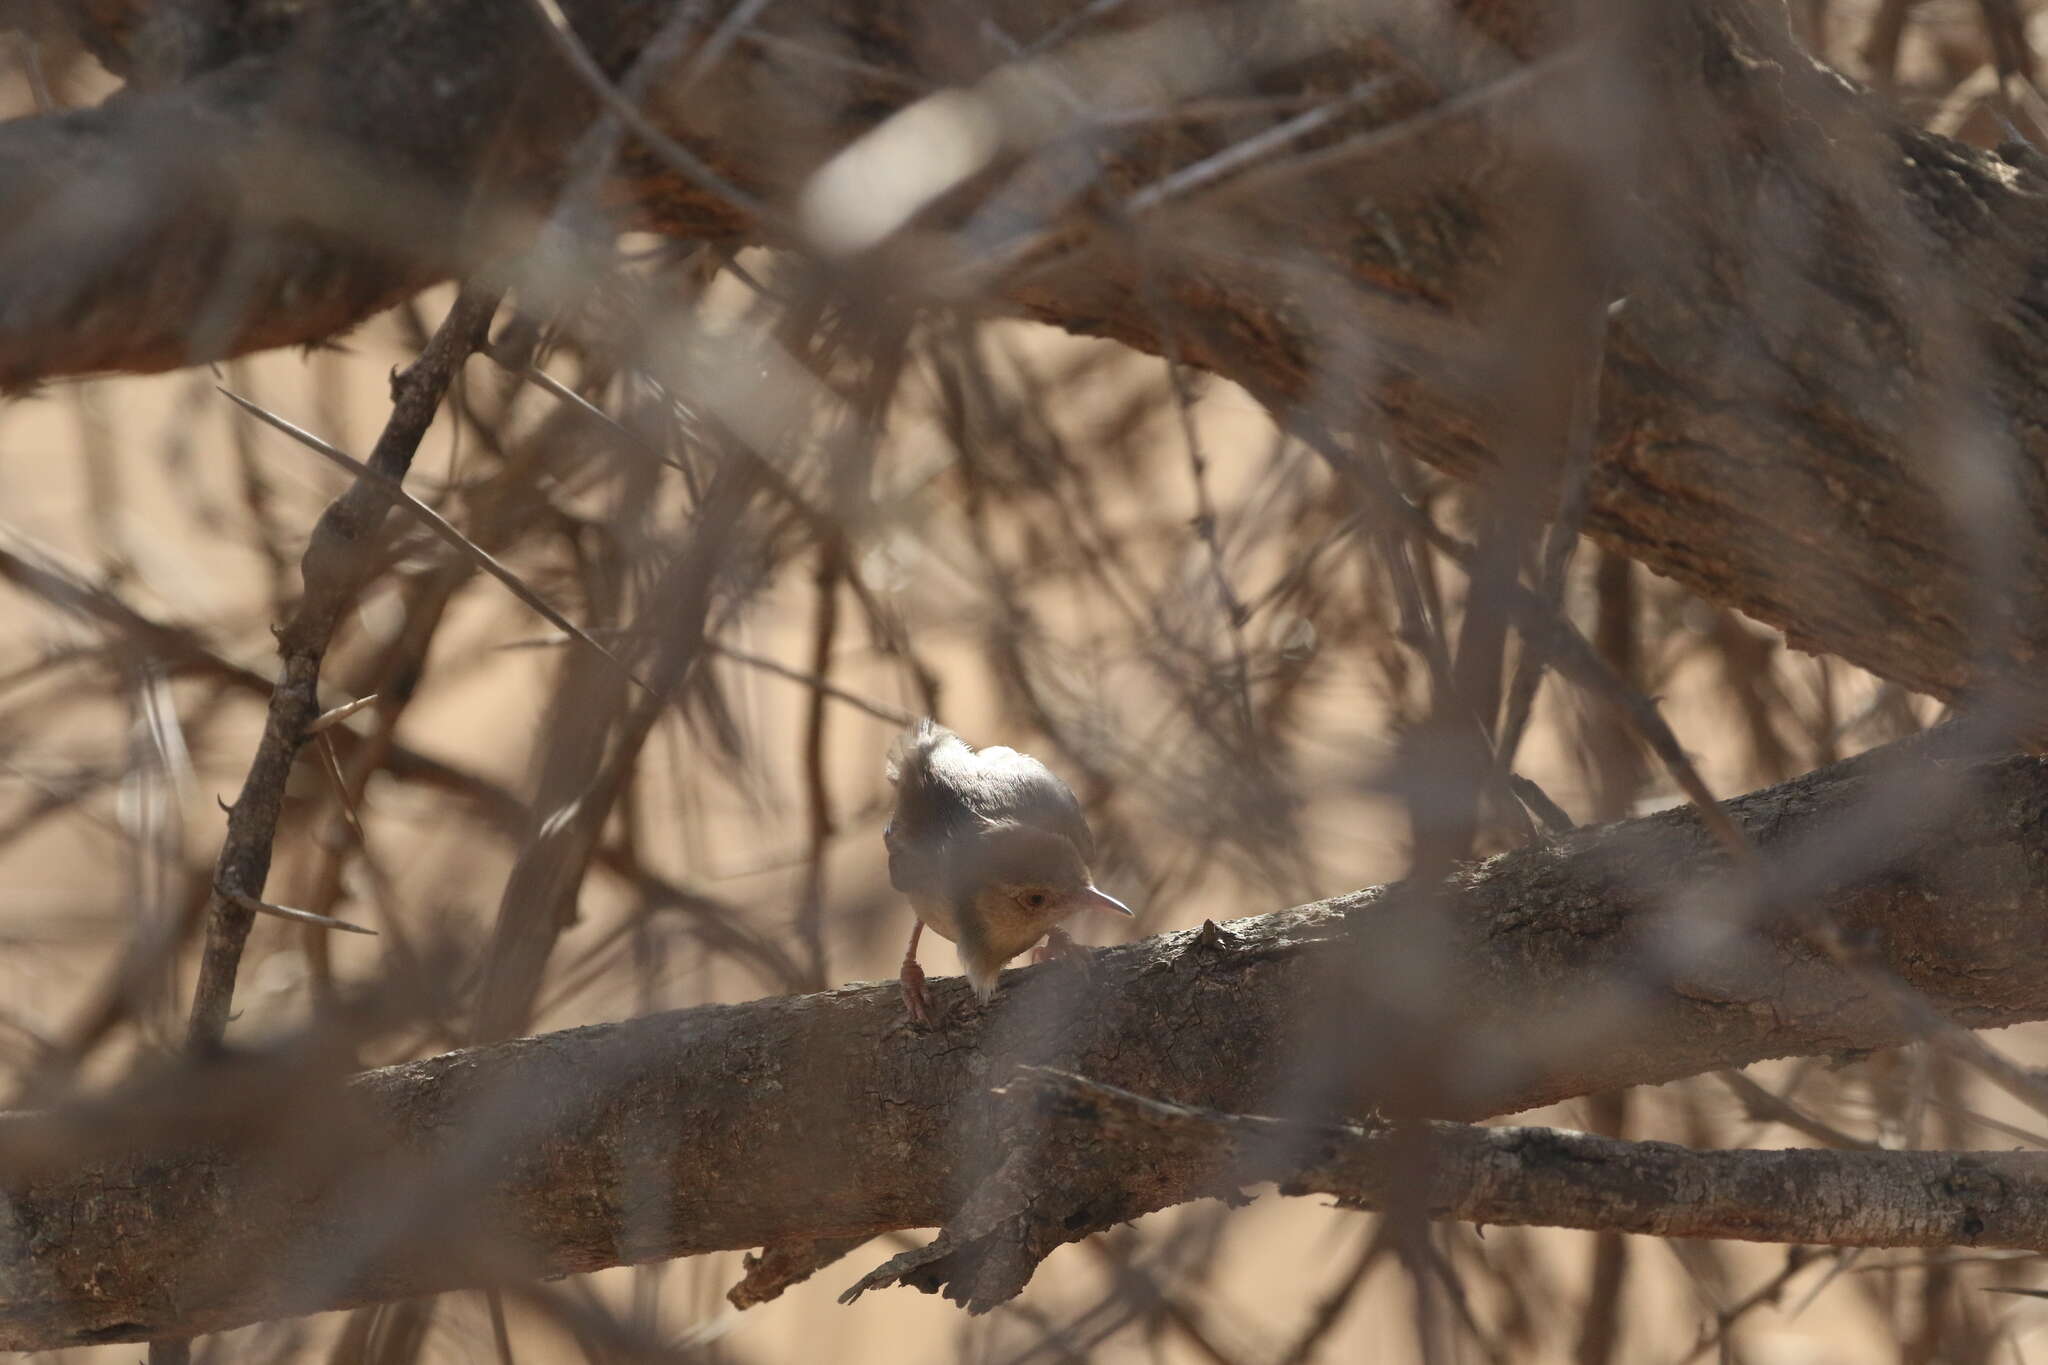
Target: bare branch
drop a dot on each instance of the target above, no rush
(1547, 1177)
(485, 1160)
(435, 522)
(338, 560)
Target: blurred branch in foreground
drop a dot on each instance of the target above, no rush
(1354, 265)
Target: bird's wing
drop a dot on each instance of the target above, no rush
(929, 810)
(908, 873)
(1007, 785)
(945, 790)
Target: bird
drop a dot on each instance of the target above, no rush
(992, 850)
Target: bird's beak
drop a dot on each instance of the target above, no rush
(1092, 899)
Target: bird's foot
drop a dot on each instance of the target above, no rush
(915, 998)
(1059, 945)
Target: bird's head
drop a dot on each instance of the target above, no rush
(1017, 881)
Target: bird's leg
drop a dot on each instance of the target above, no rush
(912, 979)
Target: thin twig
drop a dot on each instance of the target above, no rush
(818, 803)
(880, 710)
(1251, 150)
(1796, 1259)
(495, 1302)
(337, 562)
(257, 907)
(332, 761)
(438, 524)
(677, 157)
(1765, 1107)
(340, 713)
(562, 393)
(1574, 488)
(1568, 650)
(1329, 1310)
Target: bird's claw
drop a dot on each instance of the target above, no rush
(916, 999)
(1059, 946)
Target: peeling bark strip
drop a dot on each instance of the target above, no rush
(1821, 400)
(256, 1188)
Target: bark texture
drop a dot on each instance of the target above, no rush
(251, 1188)
(1544, 1177)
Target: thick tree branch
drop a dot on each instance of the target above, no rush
(1524, 1177)
(255, 1188)
(1506, 1177)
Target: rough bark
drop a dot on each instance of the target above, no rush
(1543, 1177)
(1820, 401)
(253, 1188)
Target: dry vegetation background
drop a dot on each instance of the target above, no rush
(1112, 563)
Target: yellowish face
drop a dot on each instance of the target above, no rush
(1020, 883)
(1013, 916)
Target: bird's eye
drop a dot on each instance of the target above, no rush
(1034, 900)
